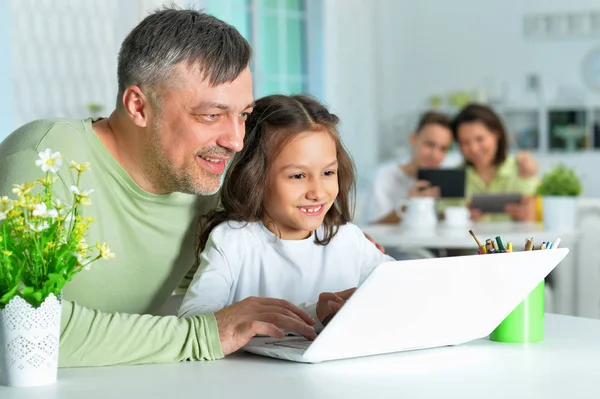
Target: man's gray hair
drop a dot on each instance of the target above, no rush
(171, 36)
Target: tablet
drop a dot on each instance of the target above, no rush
(450, 181)
(494, 202)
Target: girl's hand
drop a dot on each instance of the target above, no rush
(523, 211)
(330, 303)
(476, 214)
(527, 165)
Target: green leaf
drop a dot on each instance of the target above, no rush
(5, 299)
(560, 181)
(33, 296)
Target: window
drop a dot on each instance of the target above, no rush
(277, 31)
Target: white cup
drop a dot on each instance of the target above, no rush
(419, 213)
(457, 216)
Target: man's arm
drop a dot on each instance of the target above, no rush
(93, 338)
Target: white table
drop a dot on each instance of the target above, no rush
(565, 365)
(395, 236)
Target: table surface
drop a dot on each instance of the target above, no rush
(394, 235)
(565, 365)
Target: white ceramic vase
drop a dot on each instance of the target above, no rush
(559, 213)
(29, 342)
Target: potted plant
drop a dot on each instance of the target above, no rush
(559, 189)
(42, 246)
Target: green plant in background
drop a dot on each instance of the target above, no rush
(560, 181)
(95, 108)
(459, 99)
(436, 101)
(42, 238)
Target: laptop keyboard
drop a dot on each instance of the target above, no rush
(298, 343)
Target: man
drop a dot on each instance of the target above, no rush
(184, 91)
(395, 183)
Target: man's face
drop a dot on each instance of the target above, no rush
(431, 144)
(197, 130)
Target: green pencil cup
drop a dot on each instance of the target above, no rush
(526, 322)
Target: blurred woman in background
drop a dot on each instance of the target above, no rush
(483, 141)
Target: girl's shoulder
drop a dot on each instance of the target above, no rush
(349, 232)
(234, 233)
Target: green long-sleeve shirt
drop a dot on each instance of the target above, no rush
(107, 310)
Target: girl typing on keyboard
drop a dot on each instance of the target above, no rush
(283, 229)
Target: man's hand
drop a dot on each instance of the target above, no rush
(330, 302)
(379, 246)
(527, 165)
(423, 188)
(239, 322)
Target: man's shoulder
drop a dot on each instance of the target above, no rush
(390, 172)
(41, 133)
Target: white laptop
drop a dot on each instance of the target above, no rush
(418, 304)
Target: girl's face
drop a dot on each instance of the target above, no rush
(302, 186)
(477, 143)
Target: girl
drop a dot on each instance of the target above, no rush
(483, 142)
(284, 229)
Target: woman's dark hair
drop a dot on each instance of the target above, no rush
(483, 114)
(275, 121)
(433, 118)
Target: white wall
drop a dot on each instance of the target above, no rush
(350, 78)
(62, 56)
(6, 98)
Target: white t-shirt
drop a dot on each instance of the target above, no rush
(242, 260)
(390, 186)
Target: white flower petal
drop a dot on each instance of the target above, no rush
(40, 210)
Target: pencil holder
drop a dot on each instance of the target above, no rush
(526, 322)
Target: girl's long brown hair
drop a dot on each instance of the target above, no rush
(275, 121)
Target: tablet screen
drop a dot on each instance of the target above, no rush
(450, 181)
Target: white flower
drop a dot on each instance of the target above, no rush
(40, 227)
(105, 251)
(84, 193)
(83, 196)
(41, 211)
(82, 246)
(6, 205)
(2, 216)
(82, 260)
(23, 190)
(49, 161)
(80, 167)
